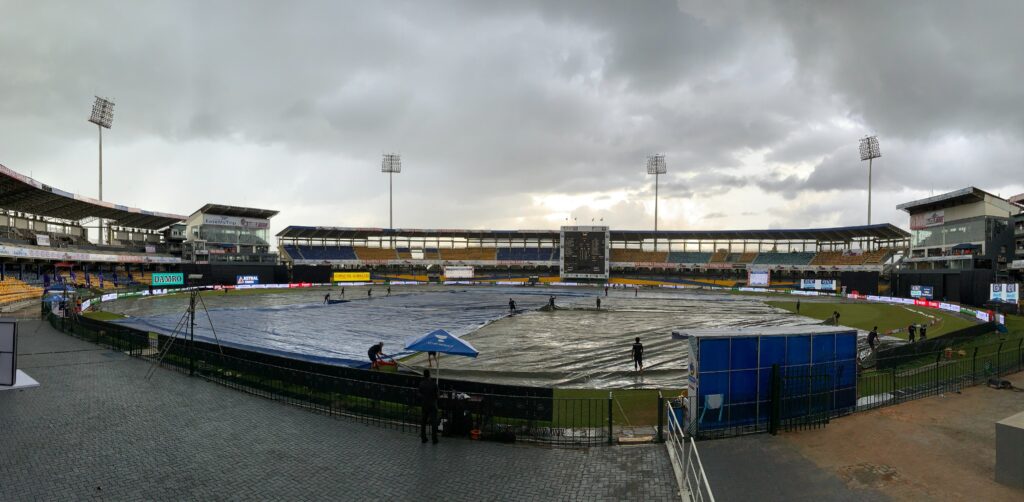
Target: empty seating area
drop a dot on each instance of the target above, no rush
(404, 253)
(13, 290)
(688, 257)
(774, 258)
(527, 254)
(878, 256)
(837, 258)
(375, 253)
(720, 256)
(304, 252)
(469, 254)
(639, 256)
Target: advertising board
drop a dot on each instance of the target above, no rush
(1008, 293)
(247, 280)
(758, 278)
(350, 277)
(167, 279)
(918, 291)
(235, 221)
(819, 284)
(459, 272)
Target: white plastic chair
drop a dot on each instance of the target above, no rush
(714, 402)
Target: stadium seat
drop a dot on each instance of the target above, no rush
(469, 254)
(720, 256)
(375, 253)
(688, 257)
(776, 258)
(15, 290)
(525, 254)
(639, 256)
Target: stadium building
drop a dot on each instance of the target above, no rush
(961, 242)
(857, 256)
(44, 239)
(228, 244)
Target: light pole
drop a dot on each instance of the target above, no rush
(656, 166)
(869, 151)
(391, 164)
(102, 116)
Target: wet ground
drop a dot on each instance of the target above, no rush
(575, 346)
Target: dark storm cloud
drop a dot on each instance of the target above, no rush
(492, 103)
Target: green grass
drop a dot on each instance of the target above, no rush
(886, 316)
(631, 406)
(101, 315)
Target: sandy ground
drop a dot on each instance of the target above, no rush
(938, 448)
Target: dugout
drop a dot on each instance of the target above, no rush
(731, 384)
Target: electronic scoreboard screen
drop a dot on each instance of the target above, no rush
(585, 252)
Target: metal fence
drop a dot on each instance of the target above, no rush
(486, 416)
(689, 470)
(928, 374)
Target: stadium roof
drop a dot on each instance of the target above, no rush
(22, 193)
(241, 212)
(885, 231)
(948, 199)
(301, 232)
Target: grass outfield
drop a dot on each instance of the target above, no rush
(886, 316)
(631, 407)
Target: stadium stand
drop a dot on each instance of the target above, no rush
(404, 253)
(375, 253)
(525, 254)
(639, 256)
(431, 254)
(469, 254)
(720, 256)
(14, 290)
(878, 255)
(773, 258)
(688, 257)
(837, 258)
(322, 252)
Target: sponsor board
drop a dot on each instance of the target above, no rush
(917, 291)
(819, 284)
(42, 240)
(108, 297)
(758, 277)
(167, 279)
(235, 221)
(1008, 293)
(54, 254)
(928, 219)
(247, 279)
(459, 272)
(350, 277)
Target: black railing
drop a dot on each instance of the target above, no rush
(482, 415)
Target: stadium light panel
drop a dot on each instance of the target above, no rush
(102, 112)
(869, 148)
(656, 164)
(391, 163)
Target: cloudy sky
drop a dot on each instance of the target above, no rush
(518, 114)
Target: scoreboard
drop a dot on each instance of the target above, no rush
(585, 252)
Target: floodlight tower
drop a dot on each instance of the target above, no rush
(102, 116)
(391, 164)
(869, 151)
(656, 166)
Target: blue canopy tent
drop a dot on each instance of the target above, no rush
(442, 342)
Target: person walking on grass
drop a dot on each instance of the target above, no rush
(598, 303)
(327, 298)
(924, 332)
(911, 333)
(798, 306)
(638, 355)
(428, 405)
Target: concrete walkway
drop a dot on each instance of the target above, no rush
(96, 429)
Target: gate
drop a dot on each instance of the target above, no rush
(800, 399)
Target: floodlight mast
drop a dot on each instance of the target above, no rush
(869, 151)
(102, 115)
(391, 163)
(656, 166)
